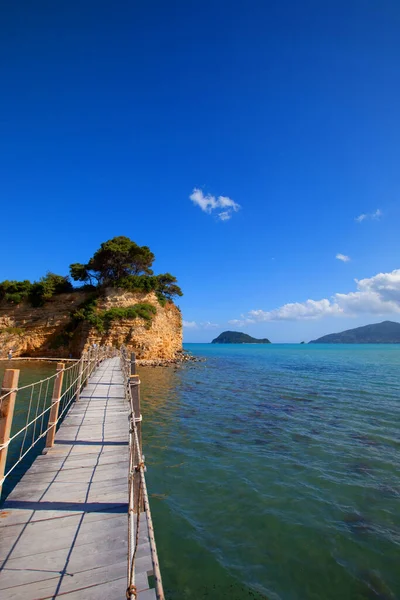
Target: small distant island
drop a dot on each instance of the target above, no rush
(236, 337)
(387, 332)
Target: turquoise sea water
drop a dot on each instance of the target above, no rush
(274, 472)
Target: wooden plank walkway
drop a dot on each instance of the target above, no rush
(64, 528)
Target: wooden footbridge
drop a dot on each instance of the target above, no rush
(78, 524)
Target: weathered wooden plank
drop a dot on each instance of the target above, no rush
(67, 521)
(75, 534)
(147, 595)
(61, 585)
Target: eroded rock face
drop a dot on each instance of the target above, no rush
(162, 339)
(41, 331)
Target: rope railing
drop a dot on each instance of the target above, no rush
(48, 401)
(138, 495)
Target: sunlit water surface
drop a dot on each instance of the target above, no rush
(274, 472)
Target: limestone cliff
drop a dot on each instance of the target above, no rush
(42, 331)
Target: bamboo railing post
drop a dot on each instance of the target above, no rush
(10, 382)
(55, 404)
(79, 384)
(134, 383)
(133, 363)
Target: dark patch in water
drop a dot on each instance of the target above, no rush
(255, 413)
(356, 522)
(271, 406)
(261, 442)
(280, 447)
(235, 431)
(388, 491)
(361, 468)
(219, 444)
(377, 588)
(308, 400)
(300, 437)
(364, 439)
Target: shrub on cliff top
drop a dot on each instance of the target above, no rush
(44, 289)
(36, 293)
(15, 291)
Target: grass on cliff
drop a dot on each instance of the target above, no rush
(12, 330)
(102, 319)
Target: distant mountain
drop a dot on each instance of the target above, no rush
(387, 332)
(236, 337)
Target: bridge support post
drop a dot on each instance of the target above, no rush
(10, 382)
(133, 363)
(55, 405)
(79, 384)
(134, 383)
(87, 374)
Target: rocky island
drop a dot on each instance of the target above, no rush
(237, 337)
(118, 300)
(387, 332)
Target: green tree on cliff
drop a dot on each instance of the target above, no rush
(117, 258)
(167, 286)
(120, 262)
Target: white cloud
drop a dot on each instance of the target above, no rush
(373, 216)
(209, 325)
(241, 322)
(311, 309)
(190, 324)
(378, 295)
(361, 218)
(343, 257)
(202, 325)
(208, 203)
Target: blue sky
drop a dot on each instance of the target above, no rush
(282, 116)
